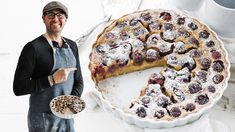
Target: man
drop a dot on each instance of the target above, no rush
(48, 67)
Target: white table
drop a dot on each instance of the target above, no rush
(222, 116)
(13, 112)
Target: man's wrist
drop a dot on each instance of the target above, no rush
(51, 80)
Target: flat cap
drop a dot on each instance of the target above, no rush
(55, 5)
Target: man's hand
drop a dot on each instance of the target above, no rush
(61, 74)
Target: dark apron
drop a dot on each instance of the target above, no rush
(40, 118)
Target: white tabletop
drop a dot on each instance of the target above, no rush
(22, 18)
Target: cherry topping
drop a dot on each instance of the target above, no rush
(175, 112)
(162, 101)
(218, 66)
(139, 31)
(202, 99)
(193, 26)
(190, 107)
(154, 26)
(121, 24)
(99, 69)
(181, 21)
(211, 88)
(156, 78)
(205, 63)
(204, 34)
(210, 43)
(141, 112)
(193, 41)
(168, 26)
(165, 16)
(216, 55)
(152, 55)
(184, 33)
(137, 57)
(194, 87)
(133, 22)
(100, 49)
(145, 100)
(202, 75)
(109, 35)
(146, 16)
(195, 53)
(218, 78)
(159, 114)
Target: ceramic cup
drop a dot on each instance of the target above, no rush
(220, 16)
(188, 5)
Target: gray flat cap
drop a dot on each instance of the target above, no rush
(55, 5)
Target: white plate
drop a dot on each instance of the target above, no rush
(115, 94)
(68, 114)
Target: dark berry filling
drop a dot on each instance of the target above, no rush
(133, 22)
(154, 26)
(156, 78)
(124, 35)
(218, 78)
(181, 21)
(141, 112)
(218, 66)
(159, 114)
(205, 63)
(109, 35)
(121, 24)
(210, 43)
(180, 95)
(137, 57)
(99, 70)
(211, 88)
(193, 26)
(146, 16)
(152, 55)
(216, 55)
(190, 107)
(175, 112)
(168, 26)
(100, 49)
(122, 62)
(184, 33)
(139, 31)
(202, 75)
(194, 87)
(165, 16)
(193, 41)
(145, 100)
(195, 53)
(202, 99)
(204, 34)
(162, 101)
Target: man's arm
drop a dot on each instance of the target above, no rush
(23, 83)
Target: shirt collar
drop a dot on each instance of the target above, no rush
(56, 44)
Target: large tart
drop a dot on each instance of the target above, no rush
(194, 63)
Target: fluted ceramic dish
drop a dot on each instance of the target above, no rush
(116, 93)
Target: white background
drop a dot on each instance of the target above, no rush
(20, 23)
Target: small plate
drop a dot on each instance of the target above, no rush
(60, 106)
